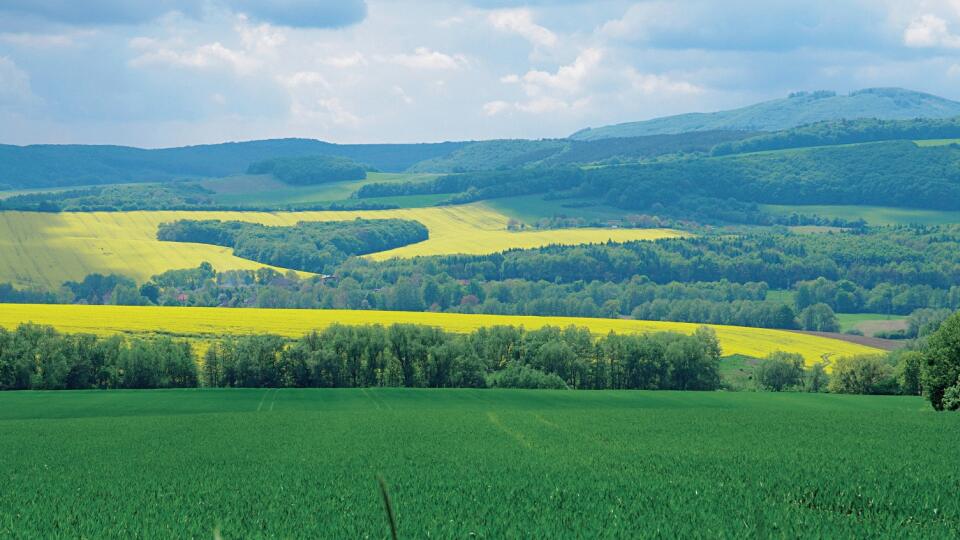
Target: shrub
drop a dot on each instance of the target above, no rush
(863, 374)
(940, 368)
(780, 371)
(521, 376)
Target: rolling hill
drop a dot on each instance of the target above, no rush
(72, 165)
(797, 109)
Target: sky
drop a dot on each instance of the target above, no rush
(162, 73)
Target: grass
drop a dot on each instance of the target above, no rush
(34, 191)
(870, 323)
(530, 208)
(874, 215)
(212, 323)
(484, 463)
(38, 249)
(266, 190)
(936, 142)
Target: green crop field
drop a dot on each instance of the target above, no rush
(484, 463)
(936, 142)
(873, 215)
(868, 323)
(530, 208)
(257, 190)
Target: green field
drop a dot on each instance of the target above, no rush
(256, 190)
(485, 463)
(530, 208)
(869, 323)
(873, 215)
(936, 142)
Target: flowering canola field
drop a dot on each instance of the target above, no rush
(44, 250)
(214, 323)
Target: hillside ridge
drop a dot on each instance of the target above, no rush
(797, 109)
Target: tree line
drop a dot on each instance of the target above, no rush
(404, 355)
(309, 170)
(308, 246)
(179, 195)
(833, 132)
(38, 357)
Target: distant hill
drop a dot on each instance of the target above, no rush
(71, 165)
(516, 153)
(798, 109)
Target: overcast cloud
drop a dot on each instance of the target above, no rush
(173, 72)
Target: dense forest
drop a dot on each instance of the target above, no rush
(834, 132)
(308, 246)
(309, 170)
(897, 173)
(167, 196)
(519, 153)
(39, 166)
(894, 173)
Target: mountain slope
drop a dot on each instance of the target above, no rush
(797, 109)
(70, 165)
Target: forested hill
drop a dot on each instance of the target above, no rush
(795, 110)
(71, 165)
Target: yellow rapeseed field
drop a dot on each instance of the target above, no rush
(40, 249)
(214, 323)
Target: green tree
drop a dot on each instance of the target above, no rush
(863, 374)
(819, 318)
(940, 368)
(780, 371)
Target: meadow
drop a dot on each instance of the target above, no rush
(869, 323)
(873, 215)
(483, 463)
(936, 142)
(263, 190)
(212, 323)
(44, 250)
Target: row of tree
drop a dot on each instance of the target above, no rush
(36, 357)
(312, 246)
(40, 358)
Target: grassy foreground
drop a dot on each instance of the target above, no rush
(549, 464)
(214, 323)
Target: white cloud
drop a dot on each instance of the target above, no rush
(346, 61)
(45, 41)
(649, 83)
(542, 105)
(954, 71)
(15, 91)
(520, 21)
(209, 56)
(312, 100)
(493, 108)
(402, 94)
(930, 31)
(568, 79)
(258, 44)
(424, 58)
(450, 21)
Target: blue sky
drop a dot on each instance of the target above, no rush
(174, 72)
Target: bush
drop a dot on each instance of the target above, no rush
(780, 371)
(940, 368)
(521, 376)
(863, 374)
(951, 397)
